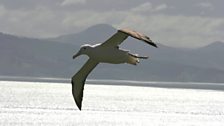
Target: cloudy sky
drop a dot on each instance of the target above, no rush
(181, 23)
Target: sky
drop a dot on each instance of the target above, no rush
(177, 23)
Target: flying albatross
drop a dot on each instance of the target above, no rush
(107, 52)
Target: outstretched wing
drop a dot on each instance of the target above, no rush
(122, 34)
(78, 81)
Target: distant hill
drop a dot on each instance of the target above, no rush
(92, 35)
(33, 57)
(52, 57)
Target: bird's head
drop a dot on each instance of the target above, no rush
(83, 50)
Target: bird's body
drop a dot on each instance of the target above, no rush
(112, 55)
(107, 52)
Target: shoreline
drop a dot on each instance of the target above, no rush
(156, 84)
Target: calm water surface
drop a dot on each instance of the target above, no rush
(35, 103)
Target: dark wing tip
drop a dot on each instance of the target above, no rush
(78, 100)
(79, 104)
(153, 44)
(149, 41)
(138, 35)
(78, 81)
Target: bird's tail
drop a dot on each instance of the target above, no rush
(134, 58)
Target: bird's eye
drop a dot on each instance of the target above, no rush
(84, 48)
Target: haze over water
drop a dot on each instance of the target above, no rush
(41, 103)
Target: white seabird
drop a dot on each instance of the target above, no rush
(107, 52)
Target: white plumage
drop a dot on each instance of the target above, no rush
(107, 52)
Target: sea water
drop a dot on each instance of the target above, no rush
(41, 103)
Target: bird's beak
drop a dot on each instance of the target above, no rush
(76, 55)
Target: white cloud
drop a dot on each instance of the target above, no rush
(174, 30)
(161, 7)
(2, 10)
(179, 31)
(72, 2)
(82, 19)
(143, 7)
(205, 5)
(148, 7)
(39, 22)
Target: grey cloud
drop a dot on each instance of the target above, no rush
(190, 20)
(190, 8)
(175, 7)
(104, 5)
(28, 4)
(72, 2)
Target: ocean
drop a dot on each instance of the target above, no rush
(47, 103)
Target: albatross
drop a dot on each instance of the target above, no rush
(107, 52)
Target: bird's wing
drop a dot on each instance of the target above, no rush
(122, 34)
(78, 81)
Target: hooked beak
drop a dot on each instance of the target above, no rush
(76, 55)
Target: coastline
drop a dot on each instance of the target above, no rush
(157, 84)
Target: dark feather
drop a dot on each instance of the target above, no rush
(78, 81)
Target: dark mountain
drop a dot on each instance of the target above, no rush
(209, 56)
(21, 56)
(95, 34)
